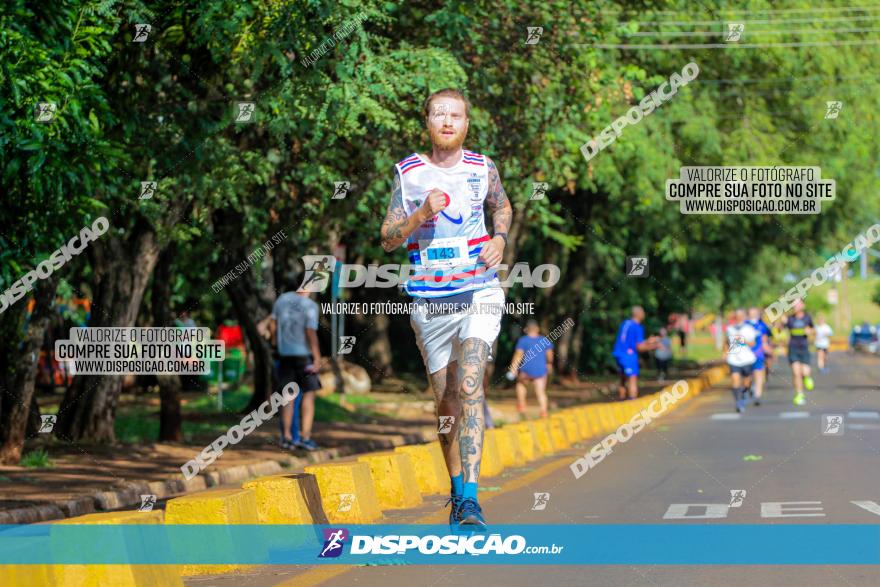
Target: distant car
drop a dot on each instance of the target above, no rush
(863, 339)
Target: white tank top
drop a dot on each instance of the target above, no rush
(444, 250)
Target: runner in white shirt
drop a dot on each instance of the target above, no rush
(823, 341)
(741, 337)
(437, 210)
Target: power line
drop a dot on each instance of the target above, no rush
(764, 11)
(745, 34)
(757, 80)
(747, 22)
(682, 46)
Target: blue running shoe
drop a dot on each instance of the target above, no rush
(470, 515)
(309, 445)
(454, 518)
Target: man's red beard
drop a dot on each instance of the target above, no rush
(447, 143)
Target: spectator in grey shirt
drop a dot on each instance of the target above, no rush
(294, 321)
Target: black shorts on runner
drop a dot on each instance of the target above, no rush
(293, 369)
(745, 370)
(799, 356)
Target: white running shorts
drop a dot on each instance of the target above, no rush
(442, 324)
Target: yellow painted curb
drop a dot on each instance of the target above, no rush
(570, 423)
(215, 506)
(514, 440)
(288, 499)
(507, 450)
(490, 463)
(430, 467)
(594, 416)
(557, 433)
(541, 431)
(347, 492)
(606, 414)
(618, 413)
(96, 575)
(394, 479)
(43, 574)
(583, 422)
(525, 439)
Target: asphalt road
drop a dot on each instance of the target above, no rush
(694, 455)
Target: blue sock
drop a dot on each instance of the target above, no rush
(457, 484)
(470, 490)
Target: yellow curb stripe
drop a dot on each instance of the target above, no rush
(318, 575)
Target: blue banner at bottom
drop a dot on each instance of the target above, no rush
(592, 544)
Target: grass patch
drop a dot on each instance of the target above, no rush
(233, 401)
(37, 459)
(700, 348)
(214, 429)
(858, 298)
(354, 400)
(327, 410)
(136, 425)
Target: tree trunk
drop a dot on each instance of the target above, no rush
(379, 350)
(122, 269)
(245, 298)
(170, 422)
(19, 378)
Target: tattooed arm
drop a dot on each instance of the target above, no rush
(502, 216)
(397, 225)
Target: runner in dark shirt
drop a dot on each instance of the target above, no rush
(800, 327)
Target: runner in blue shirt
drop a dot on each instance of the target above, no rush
(630, 341)
(761, 348)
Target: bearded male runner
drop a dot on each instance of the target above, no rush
(436, 207)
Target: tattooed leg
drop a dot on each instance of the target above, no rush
(474, 353)
(446, 403)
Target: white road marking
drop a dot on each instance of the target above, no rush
(794, 415)
(865, 415)
(726, 416)
(705, 511)
(779, 509)
(863, 426)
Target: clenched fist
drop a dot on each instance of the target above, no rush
(436, 201)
